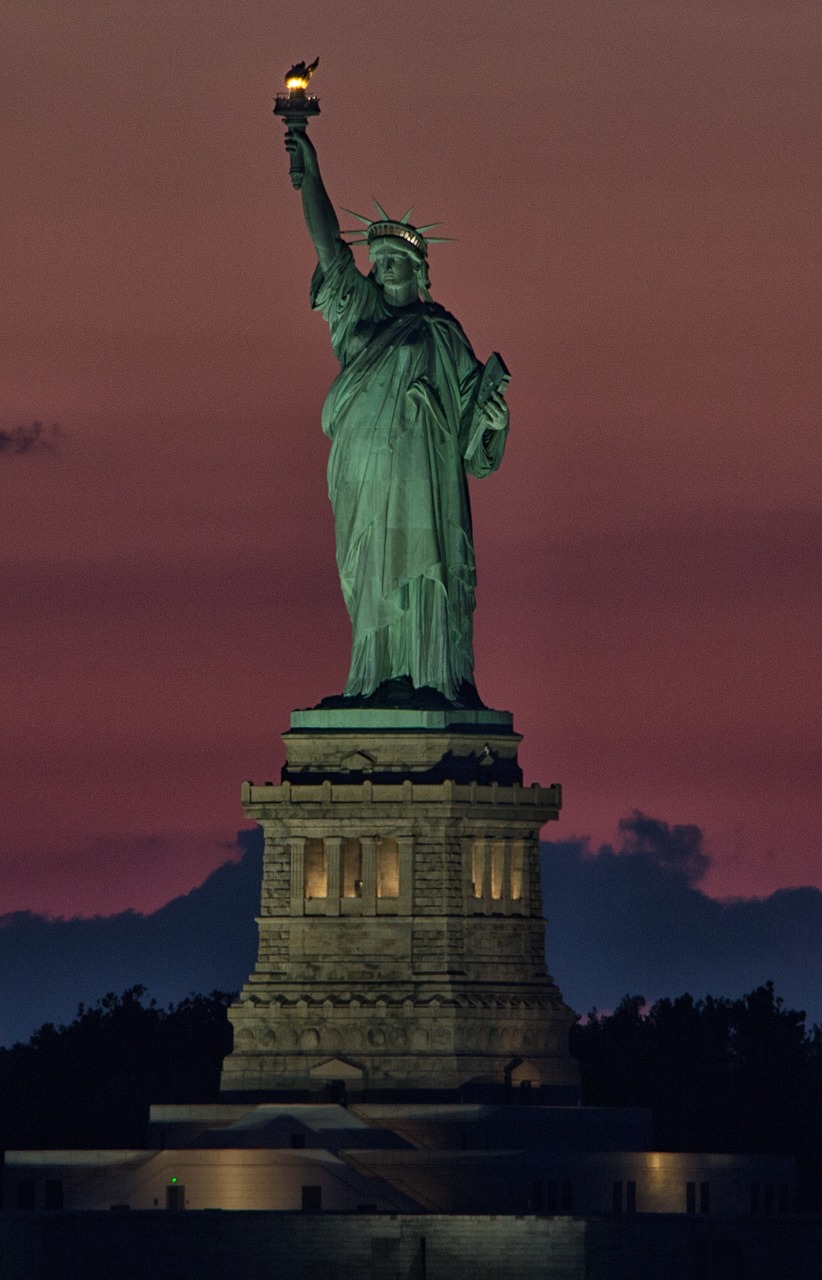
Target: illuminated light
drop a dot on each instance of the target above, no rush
(351, 869)
(295, 82)
(315, 869)
(173, 1179)
(497, 852)
(516, 871)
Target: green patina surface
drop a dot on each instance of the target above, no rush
(411, 414)
(393, 718)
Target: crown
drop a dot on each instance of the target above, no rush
(399, 228)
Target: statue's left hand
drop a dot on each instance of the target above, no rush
(495, 413)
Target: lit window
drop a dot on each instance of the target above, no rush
(477, 868)
(351, 869)
(497, 854)
(516, 871)
(316, 874)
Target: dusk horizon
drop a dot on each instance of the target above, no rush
(626, 919)
(633, 208)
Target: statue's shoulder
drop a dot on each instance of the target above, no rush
(447, 323)
(439, 314)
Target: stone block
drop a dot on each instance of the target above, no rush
(400, 927)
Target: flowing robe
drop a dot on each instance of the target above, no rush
(404, 431)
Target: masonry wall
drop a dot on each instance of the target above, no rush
(295, 1246)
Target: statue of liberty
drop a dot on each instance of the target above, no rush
(411, 413)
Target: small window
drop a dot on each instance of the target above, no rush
(690, 1197)
(388, 868)
(351, 869)
(630, 1197)
(537, 1196)
(567, 1198)
(175, 1197)
(297, 1141)
(316, 873)
(704, 1197)
(312, 1199)
(616, 1197)
(552, 1196)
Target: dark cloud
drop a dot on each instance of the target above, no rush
(35, 438)
(631, 920)
(202, 941)
(624, 920)
(677, 849)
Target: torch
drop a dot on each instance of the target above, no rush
(295, 107)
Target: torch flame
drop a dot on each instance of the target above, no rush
(299, 75)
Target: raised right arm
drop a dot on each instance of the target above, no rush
(320, 218)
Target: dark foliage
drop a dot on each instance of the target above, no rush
(719, 1075)
(90, 1084)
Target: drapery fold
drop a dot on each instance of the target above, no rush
(399, 416)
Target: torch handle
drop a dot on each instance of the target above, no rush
(297, 168)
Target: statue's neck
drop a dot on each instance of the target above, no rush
(404, 295)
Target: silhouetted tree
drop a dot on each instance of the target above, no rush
(719, 1075)
(90, 1084)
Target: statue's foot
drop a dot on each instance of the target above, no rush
(401, 693)
(468, 698)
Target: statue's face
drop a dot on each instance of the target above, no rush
(395, 270)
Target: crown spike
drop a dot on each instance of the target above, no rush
(386, 217)
(365, 221)
(407, 215)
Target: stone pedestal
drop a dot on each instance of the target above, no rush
(401, 931)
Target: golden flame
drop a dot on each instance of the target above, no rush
(296, 82)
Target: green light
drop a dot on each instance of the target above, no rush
(173, 1179)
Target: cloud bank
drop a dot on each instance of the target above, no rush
(632, 920)
(203, 941)
(627, 919)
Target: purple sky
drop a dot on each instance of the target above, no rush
(634, 192)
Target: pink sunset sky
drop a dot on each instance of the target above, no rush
(633, 190)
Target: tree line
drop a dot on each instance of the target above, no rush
(721, 1075)
(91, 1083)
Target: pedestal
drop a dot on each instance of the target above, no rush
(401, 930)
